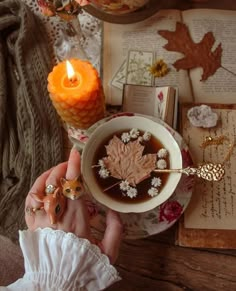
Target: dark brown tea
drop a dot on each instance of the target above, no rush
(112, 186)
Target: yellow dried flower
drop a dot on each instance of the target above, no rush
(159, 69)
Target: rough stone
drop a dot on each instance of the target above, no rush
(202, 116)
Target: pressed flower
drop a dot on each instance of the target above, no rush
(132, 192)
(159, 69)
(134, 133)
(124, 185)
(160, 96)
(162, 153)
(156, 182)
(146, 136)
(161, 164)
(153, 192)
(125, 137)
(103, 173)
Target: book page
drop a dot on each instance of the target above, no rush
(221, 87)
(119, 39)
(159, 102)
(213, 204)
(140, 99)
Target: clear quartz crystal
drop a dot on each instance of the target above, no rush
(202, 116)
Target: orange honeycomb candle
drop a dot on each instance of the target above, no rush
(78, 98)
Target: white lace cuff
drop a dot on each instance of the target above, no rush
(61, 261)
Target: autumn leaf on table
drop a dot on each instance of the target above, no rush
(195, 54)
(126, 162)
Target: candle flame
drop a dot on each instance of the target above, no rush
(70, 71)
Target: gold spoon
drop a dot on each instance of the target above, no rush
(208, 171)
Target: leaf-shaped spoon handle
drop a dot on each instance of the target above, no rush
(208, 171)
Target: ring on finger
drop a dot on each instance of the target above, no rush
(49, 189)
(72, 189)
(32, 210)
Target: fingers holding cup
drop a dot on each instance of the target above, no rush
(46, 206)
(113, 235)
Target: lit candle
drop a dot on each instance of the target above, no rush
(76, 92)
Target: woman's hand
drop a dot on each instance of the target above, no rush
(76, 217)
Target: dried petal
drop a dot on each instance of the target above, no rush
(132, 192)
(153, 192)
(161, 164)
(156, 182)
(124, 185)
(162, 153)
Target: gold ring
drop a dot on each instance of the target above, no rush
(32, 210)
(72, 189)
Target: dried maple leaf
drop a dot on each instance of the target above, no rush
(126, 162)
(196, 54)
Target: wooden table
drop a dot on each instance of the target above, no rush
(156, 263)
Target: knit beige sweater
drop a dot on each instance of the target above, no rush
(30, 132)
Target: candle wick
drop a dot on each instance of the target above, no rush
(73, 79)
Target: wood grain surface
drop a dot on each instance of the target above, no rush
(156, 263)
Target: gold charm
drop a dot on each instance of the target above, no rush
(72, 189)
(219, 140)
(54, 204)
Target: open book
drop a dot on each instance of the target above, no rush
(160, 102)
(130, 49)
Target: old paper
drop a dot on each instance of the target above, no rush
(213, 204)
(221, 87)
(118, 40)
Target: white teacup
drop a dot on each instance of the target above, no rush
(124, 123)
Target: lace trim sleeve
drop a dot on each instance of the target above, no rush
(65, 262)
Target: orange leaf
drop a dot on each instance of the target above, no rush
(196, 54)
(126, 162)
